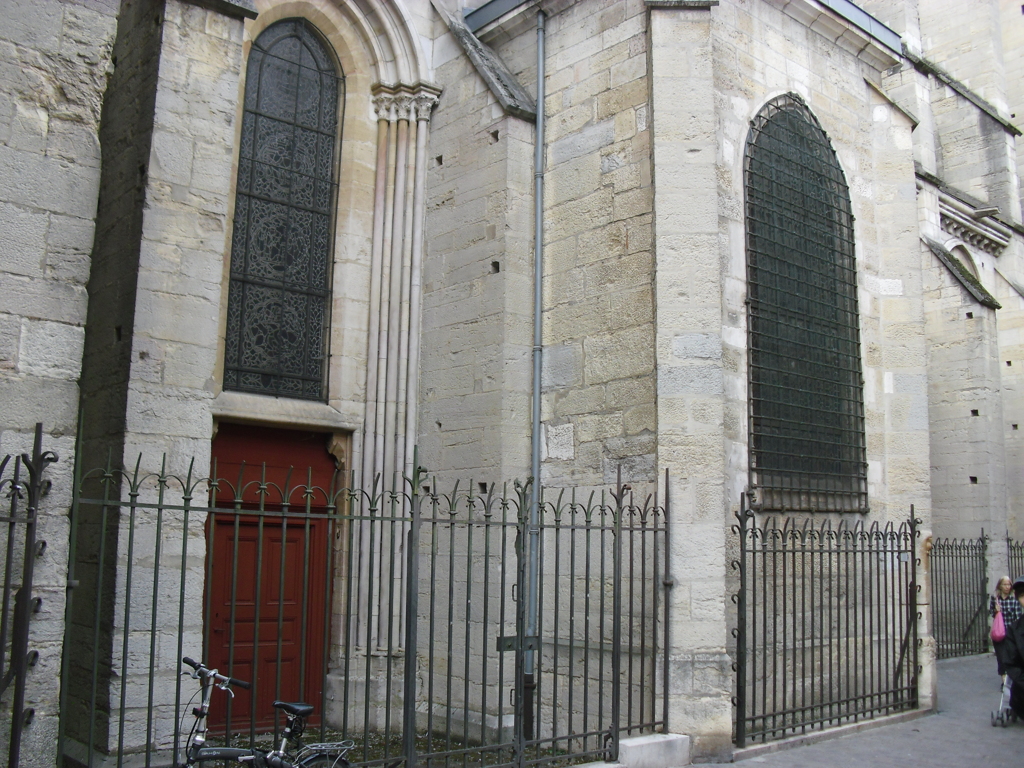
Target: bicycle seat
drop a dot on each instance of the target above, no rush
(295, 708)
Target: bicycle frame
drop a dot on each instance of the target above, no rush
(196, 751)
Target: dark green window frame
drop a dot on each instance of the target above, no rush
(279, 292)
(806, 390)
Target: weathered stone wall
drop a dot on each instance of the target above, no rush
(959, 145)
(55, 58)
(963, 37)
(729, 61)
(175, 341)
(645, 349)
(125, 136)
(598, 320)
(1011, 320)
(1011, 373)
(168, 131)
(692, 358)
(54, 65)
(601, 339)
(475, 377)
(965, 410)
(976, 151)
(1011, 24)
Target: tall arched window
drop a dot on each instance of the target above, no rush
(806, 400)
(279, 291)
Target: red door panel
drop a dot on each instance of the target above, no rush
(250, 574)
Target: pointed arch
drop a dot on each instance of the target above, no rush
(372, 344)
(279, 291)
(376, 38)
(806, 405)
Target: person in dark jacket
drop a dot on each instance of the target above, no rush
(1013, 653)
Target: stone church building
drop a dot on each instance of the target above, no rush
(780, 249)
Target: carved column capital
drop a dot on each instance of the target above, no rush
(384, 105)
(405, 102)
(425, 103)
(404, 105)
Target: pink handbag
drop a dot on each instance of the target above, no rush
(998, 628)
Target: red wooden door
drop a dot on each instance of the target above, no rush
(272, 567)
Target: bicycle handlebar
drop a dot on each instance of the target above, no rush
(204, 671)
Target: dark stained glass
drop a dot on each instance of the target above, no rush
(279, 291)
(807, 449)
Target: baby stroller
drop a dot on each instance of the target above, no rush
(1004, 715)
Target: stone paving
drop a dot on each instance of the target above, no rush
(958, 735)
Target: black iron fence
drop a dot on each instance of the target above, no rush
(826, 625)
(959, 570)
(22, 484)
(1015, 557)
(415, 618)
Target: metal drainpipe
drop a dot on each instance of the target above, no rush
(530, 682)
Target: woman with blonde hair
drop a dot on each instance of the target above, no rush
(1004, 602)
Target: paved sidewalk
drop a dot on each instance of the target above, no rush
(959, 735)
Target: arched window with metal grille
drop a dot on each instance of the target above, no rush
(806, 399)
(280, 284)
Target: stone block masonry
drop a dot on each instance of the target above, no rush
(55, 59)
(54, 65)
(477, 288)
(155, 289)
(598, 389)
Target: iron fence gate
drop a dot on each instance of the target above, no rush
(22, 483)
(826, 625)
(960, 596)
(400, 613)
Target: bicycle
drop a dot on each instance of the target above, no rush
(321, 755)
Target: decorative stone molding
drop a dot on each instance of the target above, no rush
(236, 9)
(337, 446)
(384, 105)
(699, 4)
(405, 102)
(975, 226)
(514, 99)
(963, 274)
(841, 21)
(926, 67)
(850, 28)
(389, 431)
(425, 102)
(404, 106)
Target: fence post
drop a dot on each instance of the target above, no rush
(72, 584)
(411, 613)
(20, 716)
(521, 718)
(741, 629)
(613, 743)
(667, 582)
(914, 562)
(982, 609)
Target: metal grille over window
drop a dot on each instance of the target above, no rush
(279, 291)
(807, 447)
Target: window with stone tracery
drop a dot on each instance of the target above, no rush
(279, 292)
(806, 401)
